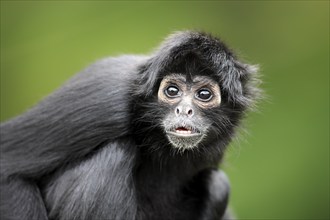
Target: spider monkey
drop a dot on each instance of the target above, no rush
(130, 137)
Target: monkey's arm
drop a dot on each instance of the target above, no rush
(89, 110)
(85, 113)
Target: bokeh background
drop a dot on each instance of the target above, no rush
(279, 167)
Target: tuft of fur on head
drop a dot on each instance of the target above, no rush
(239, 80)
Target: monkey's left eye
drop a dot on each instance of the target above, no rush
(204, 95)
(172, 91)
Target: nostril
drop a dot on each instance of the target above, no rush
(190, 112)
(177, 111)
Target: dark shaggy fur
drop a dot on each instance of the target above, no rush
(94, 149)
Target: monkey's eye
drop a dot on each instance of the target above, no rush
(172, 91)
(204, 95)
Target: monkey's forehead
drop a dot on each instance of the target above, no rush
(185, 78)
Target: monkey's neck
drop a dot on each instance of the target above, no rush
(161, 179)
(170, 168)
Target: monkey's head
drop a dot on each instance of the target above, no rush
(195, 92)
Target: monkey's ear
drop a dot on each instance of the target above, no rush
(240, 81)
(149, 73)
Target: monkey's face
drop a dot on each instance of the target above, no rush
(189, 99)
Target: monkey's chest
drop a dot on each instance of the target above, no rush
(163, 196)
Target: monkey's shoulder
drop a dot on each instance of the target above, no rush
(120, 67)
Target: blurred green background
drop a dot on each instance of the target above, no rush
(279, 168)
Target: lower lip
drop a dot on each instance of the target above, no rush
(183, 134)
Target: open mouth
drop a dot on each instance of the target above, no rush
(184, 131)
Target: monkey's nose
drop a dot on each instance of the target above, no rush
(184, 111)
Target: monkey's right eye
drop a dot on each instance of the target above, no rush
(172, 92)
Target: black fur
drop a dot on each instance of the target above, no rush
(95, 149)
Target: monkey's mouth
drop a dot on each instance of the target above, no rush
(184, 131)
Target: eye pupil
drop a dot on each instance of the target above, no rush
(204, 94)
(172, 91)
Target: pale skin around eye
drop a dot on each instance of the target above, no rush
(190, 89)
